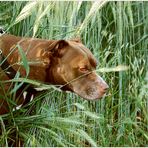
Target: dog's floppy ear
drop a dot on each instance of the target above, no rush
(57, 47)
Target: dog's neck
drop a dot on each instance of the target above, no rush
(38, 60)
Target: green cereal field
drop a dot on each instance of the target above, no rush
(117, 34)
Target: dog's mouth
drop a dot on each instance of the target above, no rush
(66, 88)
(93, 88)
(90, 94)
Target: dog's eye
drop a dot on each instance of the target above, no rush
(83, 69)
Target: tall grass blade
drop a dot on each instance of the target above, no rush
(26, 11)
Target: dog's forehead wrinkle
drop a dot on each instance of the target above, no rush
(91, 58)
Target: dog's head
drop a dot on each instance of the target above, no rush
(73, 67)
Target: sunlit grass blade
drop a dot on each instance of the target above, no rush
(94, 8)
(26, 11)
(24, 60)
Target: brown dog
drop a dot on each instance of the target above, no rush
(56, 62)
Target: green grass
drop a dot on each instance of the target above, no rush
(117, 34)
